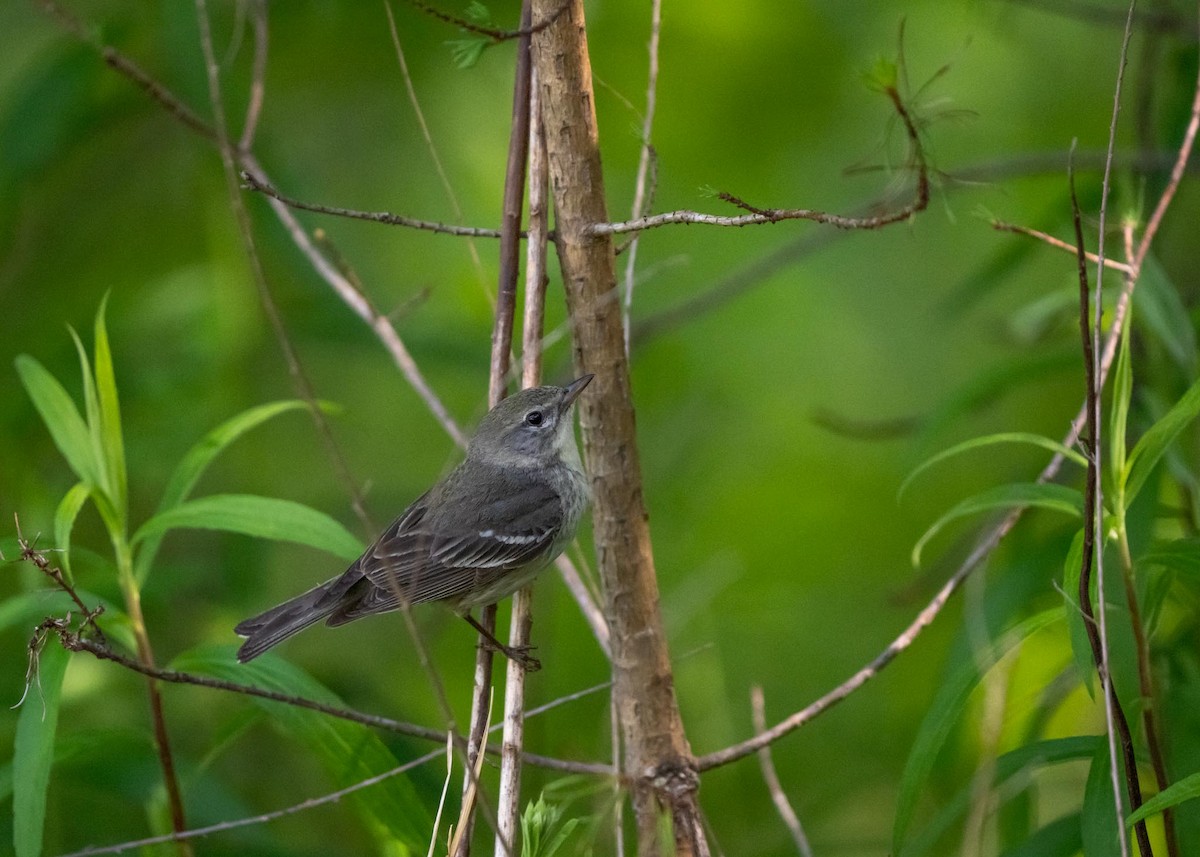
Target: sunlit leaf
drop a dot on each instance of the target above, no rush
(200, 456)
(109, 413)
(33, 749)
(350, 751)
(991, 440)
(262, 517)
(1058, 498)
(62, 419)
(1157, 439)
(1184, 790)
(91, 414)
(1122, 394)
(944, 711)
(64, 522)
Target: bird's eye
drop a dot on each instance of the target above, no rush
(533, 418)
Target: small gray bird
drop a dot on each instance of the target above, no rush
(480, 534)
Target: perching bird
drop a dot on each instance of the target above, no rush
(478, 535)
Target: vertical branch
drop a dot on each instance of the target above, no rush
(640, 194)
(657, 754)
(521, 625)
(1092, 532)
(506, 296)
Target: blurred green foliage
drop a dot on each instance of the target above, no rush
(782, 551)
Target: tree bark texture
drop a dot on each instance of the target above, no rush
(658, 761)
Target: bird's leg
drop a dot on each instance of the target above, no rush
(520, 654)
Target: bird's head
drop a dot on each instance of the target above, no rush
(530, 426)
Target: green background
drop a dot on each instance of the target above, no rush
(781, 548)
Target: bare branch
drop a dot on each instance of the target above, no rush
(496, 35)
(640, 198)
(255, 183)
(782, 804)
(1002, 226)
(776, 215)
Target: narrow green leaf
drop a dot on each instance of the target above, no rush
(109, 417)
(1058, 498)
(64, 522)
(200, 456)
(91, 413)
(945, 711)
(262, 517)
(991, 440)
(33, 750)
(1060, 838)
(1164, 315)
(1186, 789)
(62, 419)
(1122, 394)
(1019, 762)
(1181, 555)
(1081, 647)
(1098, 819)
(350, 751)
(1154, 443)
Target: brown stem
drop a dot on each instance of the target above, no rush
(657, 753)
(1090, 529)
(162, 741)
(1149, 697)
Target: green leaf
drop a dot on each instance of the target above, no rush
(1186, 789)
(1098, 819)
(64, 523)
(350, 751)
(62, 419)
(1157, 439)
(91, 413)
(1119, 415)
(465, 53)
(1182, 555)
(109, 419)
(262, 517)
(1081, 646)
(33, 750)
(1019, 762)
(991, 440)
(1058, 498)
(945, 711)
(200, 456)
(1162, 313)
(1060, 838)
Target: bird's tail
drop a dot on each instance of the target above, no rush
(291, 617)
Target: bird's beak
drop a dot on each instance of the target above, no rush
(574, 389)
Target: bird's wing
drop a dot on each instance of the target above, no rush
(431, 556)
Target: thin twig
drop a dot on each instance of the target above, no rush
(521, 142)
(771, 778)
(1092, 532)
(1002, 226)
(526, 29)
(640, 199)
(257, 86)
(255, 183)
(221, 827)
(775, 215)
